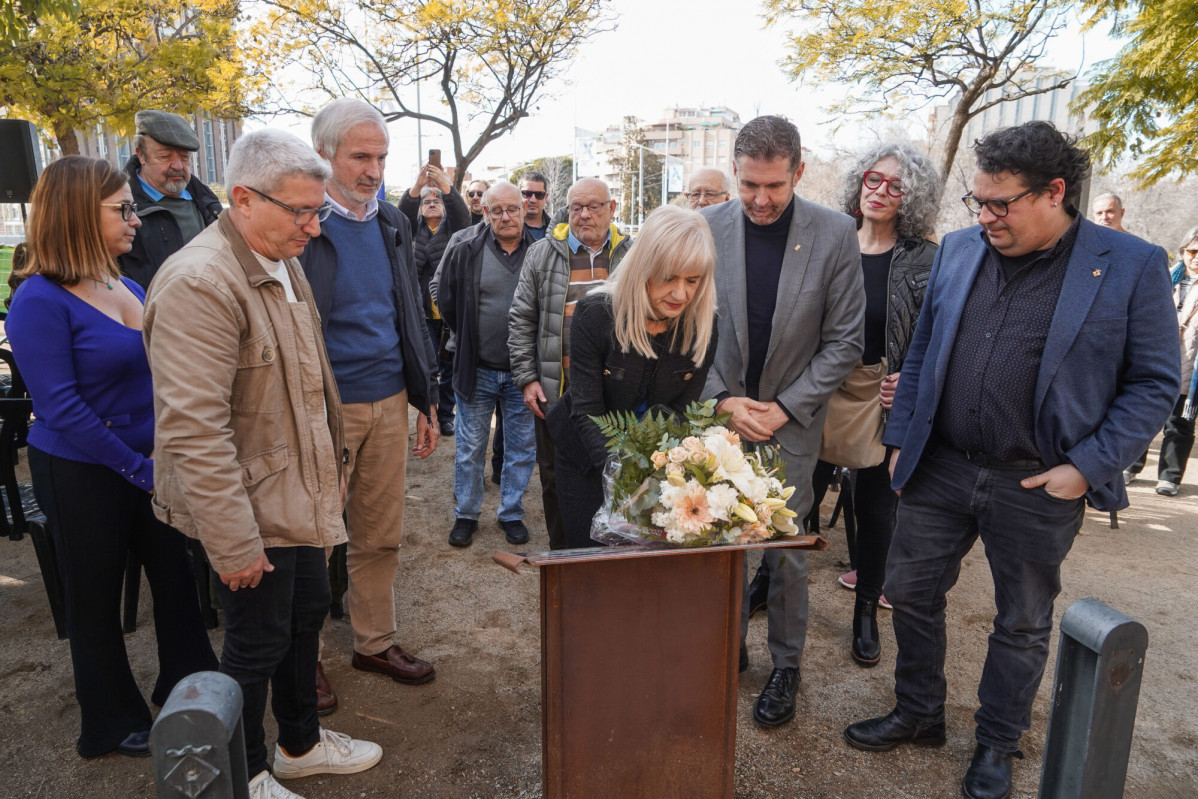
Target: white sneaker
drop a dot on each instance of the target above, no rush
(1167, 489)
(334, 753)
(264, 786)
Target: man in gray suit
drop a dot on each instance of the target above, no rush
(788, 274)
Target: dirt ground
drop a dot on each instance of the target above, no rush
(475, 730)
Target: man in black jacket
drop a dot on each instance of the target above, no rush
(364, 283)
(173, 205)
(475, 284)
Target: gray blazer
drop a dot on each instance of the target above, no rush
(817, 335)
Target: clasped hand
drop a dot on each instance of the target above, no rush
(753, 420)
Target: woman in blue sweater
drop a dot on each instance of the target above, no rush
(75, 328)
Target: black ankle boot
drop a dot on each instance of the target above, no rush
(866, 647)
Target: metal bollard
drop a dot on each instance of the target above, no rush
(1099, 667)
(198, 741)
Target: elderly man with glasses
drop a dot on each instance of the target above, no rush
(708, 186)
(474, 288)
(172, 203)
(559, 270)
(248, 444)
(1044, 361)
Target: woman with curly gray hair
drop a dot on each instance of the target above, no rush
(893, 191)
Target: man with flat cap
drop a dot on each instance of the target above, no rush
(173, 205)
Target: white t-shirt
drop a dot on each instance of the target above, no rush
(278, 270)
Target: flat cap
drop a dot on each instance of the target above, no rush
(167, 128)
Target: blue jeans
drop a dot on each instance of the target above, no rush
(946, 505)
(472, 428)
(271, 640)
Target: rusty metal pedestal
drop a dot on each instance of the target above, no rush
(639, 654)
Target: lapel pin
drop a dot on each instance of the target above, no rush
(797, 246)
(1097, 272)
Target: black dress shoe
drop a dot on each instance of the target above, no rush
(462, 532)
(515, 532)
(759, 590)
(776, 705)
(866, 648)
(886, 732)
(446, 426)
(136, 744)
(989, 775)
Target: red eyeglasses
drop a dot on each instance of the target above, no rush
(872, 180)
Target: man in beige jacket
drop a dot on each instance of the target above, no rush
(248, 444)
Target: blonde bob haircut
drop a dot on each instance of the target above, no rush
(674, 241)
(63, 233)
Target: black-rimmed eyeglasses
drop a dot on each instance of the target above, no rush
(128, 209)
(999, 208)
(529, 194)
(302, 215)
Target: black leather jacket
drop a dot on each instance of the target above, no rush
(910, 267)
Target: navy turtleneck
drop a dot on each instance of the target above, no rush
(765, 247)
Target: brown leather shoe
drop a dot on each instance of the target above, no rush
(326, 699)
(396, 664)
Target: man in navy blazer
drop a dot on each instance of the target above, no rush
(1044, 361)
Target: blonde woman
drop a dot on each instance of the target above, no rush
(646, 337)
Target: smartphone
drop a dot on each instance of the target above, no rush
(434, 157)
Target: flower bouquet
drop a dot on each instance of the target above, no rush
(688, 481)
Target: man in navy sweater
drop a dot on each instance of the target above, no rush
(364, 283)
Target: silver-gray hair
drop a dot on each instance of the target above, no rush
(433, 190)
(1190, 237)
(1110, 195)
(922, 188)
(338, 118)
(263, 159)
(490, 192)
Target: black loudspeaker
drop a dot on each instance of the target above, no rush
(20, 160)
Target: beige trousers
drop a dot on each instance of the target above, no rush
(376, 434)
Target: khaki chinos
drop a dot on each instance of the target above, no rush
(376, 436)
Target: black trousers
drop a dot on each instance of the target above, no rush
(547, 470)
(1176, 445)
(95, 517)
(271, 641)
(873, 509)
(579, 496)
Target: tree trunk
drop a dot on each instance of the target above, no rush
(953, 140)
(68, 142)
